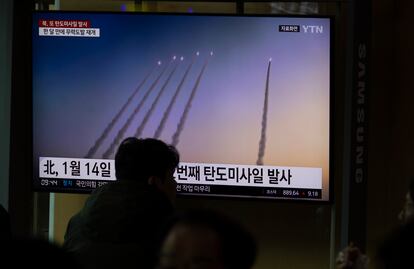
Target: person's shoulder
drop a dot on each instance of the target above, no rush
(39, 252)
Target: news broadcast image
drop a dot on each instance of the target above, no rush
(245, 99)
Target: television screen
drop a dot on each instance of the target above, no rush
(245, 99)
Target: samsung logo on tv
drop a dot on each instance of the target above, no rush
(289, 28)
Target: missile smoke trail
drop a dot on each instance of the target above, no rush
(180, 126)
(262, 143)
(126, 125)
(154, 103)
(172, 102)
(108, 128)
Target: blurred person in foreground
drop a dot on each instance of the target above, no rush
(407, 212)
(397, 250)
(205, 239)
(393, 249)
(119, 222)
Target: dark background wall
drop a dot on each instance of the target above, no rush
(391, 147)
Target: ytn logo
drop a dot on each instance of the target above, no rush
(312, 29)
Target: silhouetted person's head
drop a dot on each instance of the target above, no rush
(407, 213)
(38, 253)
(5, 229)
(397, 250)
(148, 161)
(207, 240)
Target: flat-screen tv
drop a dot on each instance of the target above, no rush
(245, 99)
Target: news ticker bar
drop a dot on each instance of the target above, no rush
(195, 189)
(267, 192)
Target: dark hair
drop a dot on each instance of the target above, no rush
(138, 159)
(40, 253)
(5, 228)
(396, 250)
(411, 188)
(238, 247)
